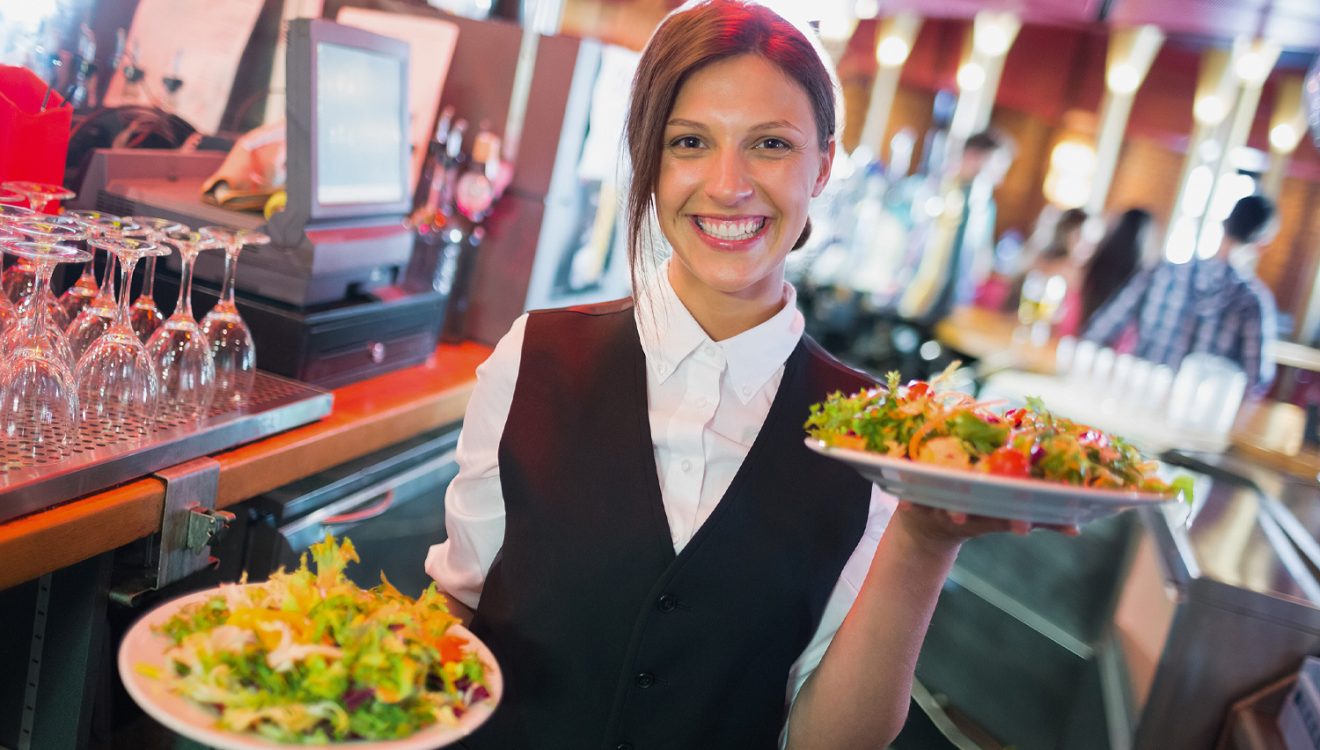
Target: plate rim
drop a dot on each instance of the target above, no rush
(1089, 495)
(140, 687)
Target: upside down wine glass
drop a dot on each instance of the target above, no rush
(178, 348)
(20, 279)
(39, 195)
(231, 342)
(144, 314)
(118, 389)
(38, 395)
(86, 287)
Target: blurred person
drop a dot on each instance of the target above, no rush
(1058, 259)
(1116, 258)
(953, 243)
(1204, 305)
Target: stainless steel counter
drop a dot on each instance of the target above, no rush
(1142, 632)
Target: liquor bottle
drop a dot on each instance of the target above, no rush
(433, 167)
(474, 196)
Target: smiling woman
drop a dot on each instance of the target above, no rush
(651, 550)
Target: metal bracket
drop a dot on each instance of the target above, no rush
(188, 526)
(190, 520)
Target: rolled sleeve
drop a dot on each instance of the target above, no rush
(474, 501)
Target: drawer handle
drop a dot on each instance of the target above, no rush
(386, 500)
(376, 351)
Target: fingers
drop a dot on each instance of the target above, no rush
(1021, 528)
(958, 518)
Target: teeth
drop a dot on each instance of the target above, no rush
(731, 230)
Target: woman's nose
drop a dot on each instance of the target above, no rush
(729, 182)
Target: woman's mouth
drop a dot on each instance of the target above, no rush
(730, 230)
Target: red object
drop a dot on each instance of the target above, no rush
(33, 142)
(1006, 462)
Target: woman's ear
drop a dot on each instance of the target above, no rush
(826, 164)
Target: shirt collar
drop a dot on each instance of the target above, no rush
(670, 334)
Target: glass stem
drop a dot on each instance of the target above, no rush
(184, 304)
(231, 268)
(42, 273)
(126, 266)
(148, 277)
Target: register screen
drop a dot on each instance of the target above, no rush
(361, 143)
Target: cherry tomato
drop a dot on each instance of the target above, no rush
(918, 389)
(1006, 462)
(451, 648)
(1015, 416)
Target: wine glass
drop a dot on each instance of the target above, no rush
(99, 224)
(8, 313)
(231, 342)
(39, 195)
(118, 387)
(20, 279)
(178, 348)
(144, 314)
(10, 197)
(38, 395)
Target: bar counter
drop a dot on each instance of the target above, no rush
(367, 416)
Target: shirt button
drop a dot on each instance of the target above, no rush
(666, 603)
(687, 465)
(645, 680)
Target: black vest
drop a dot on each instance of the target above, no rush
(606, 637)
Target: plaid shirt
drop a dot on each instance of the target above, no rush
(1201, 306)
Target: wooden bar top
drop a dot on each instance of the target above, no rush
(367, 416)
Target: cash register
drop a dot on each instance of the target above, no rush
(325, 300)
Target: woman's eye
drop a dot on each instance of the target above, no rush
(775, 144)
(685, 141)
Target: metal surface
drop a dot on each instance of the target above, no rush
(35, 478)
(189, 487)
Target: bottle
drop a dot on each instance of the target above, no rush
(433, 167)
(475, 192)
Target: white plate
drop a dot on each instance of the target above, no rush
(1034, 500)
(143, 646)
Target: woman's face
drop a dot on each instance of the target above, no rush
(741, 160)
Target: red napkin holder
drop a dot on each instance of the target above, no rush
(33, 142)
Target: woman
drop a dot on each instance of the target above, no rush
(1116, 258)
(705, 609)
(1058, 258)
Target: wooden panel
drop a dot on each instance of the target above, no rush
(367, 416)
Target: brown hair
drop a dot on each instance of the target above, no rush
(688, 40)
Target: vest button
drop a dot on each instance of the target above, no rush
(666, 603)
(623, 746)
(645, 680)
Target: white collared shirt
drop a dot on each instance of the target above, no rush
(707, 402)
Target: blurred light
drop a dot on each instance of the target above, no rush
(1208, 150)
(1071, 176)
(1182, 239)
(892, 51)
(27, 14)
(1123, 79)
(1284, 137)
(1197, 192)
(934, 206)
(930, 350)
(1253, 66)
(991, 35)
(866, 8)
(1211, 235)
(1209, 110)
(836, 26)
(1233, 188)
(971, 77)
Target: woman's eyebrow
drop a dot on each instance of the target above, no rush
(678, 122)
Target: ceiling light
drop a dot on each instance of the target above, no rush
(892, 51)
(1123, 79)
(1284, 137)
(1209, 110)
(971, 77)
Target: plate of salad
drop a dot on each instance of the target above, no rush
(310, 659)
(946, 450)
